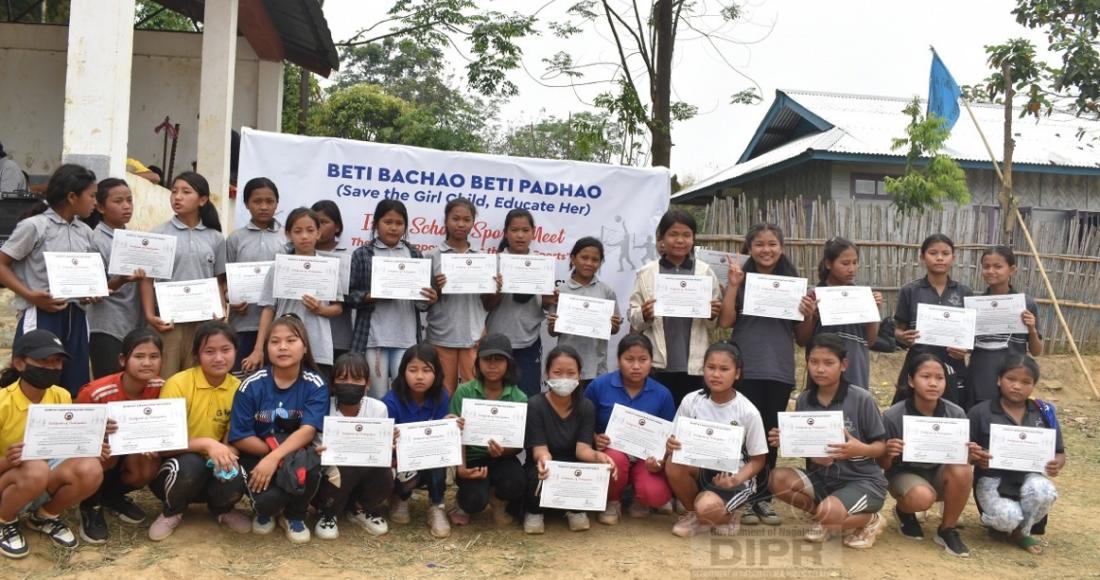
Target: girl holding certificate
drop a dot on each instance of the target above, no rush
(631, 386)
(560, 427)
(494, 466)
(302, 227)
(140, 379)
(384, 328)
(258, 241)
(328, 244)
(208, 471)
(1015, 502)
(519, 316)
(43, 488)
(678, 343)
(585, 261)
(937, 253)
(712, 499)
(768, 345)
(276, 413)
(916, 486)
(845, 490)
(992, 350)
(53, 227)
(111, 319)
(200, 254)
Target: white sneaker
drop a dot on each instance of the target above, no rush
(296, 530)
(669, 508)
(864, 537)
(326, 528)
(816, 534)
(437, 522)
(611, 515)
(687, 526)
(578, 521)
(399, 510)
(374, 524)
(533, 524)
(263, 525)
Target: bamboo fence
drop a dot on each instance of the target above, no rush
(890, 245)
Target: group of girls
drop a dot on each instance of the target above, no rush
(309, 358)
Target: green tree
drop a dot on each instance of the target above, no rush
(363, 112)
(292, 105)
(149, 15)
(584, 136)
(931, 177)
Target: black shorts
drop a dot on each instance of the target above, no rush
(856, 496)
(734, 497)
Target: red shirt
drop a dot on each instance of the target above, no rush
(109, 388)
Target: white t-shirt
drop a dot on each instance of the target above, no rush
(738, 411)
(368, 407)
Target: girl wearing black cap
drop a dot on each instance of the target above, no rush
(42, 488)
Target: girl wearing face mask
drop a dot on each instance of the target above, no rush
(358, 492)
(42, 488)
(494, 466)
(139, 379)
(276, 414)
(560, 427)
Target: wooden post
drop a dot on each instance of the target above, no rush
(1008, 201)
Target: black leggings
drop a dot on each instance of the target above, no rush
(275, 500)
(185, 479)
(770, 398)
(364, 487)
(506, 478)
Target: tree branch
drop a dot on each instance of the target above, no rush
(609, 12)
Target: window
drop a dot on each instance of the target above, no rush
(869, 185)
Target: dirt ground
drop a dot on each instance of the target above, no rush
(636, 548)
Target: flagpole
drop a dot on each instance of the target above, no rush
(1035, 254)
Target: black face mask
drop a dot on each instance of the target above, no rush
(39, 377)
(348, 393)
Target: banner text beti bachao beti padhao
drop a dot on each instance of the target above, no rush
(569, 200)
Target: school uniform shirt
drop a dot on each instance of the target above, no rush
(593, 351)
(118, 314)
(253, 244)
(369, 408)
(921, 292)
(45, 232)
(545, 428)
(990, 352)
(13, 411)
(863, 421)
(475, 390)
(992, 412)
(402, 411)
(658, 330)
(318, 329)
(607, 390)
(200, 251)
(859, 356)
(767, 342)
(208, 406)
(520, 321)
(894, 420)
(456, 320)
(389, 323)
(341, 325)
(109, 388)
(260, 403)
(738, 411)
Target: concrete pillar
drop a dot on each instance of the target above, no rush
(269, 97)
(219, 59)
(96, 125)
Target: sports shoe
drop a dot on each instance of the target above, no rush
(749, 517)
(952, 543)
(687, 525)
(578, 521)
(437, 522)
(533, 524)
(12, 542)
(729, 528)
(399, 510)
(816, 534)
(55, 528)
(458, 516)
(296, 530)
(326, 528)
(864, 537)
(125, 509)
(93, 526)
(908, 525)
(163, 526)
(374, 524)
(501, 517)
(236, 521)
(766, 513)
(637, 510)
(610, 515)
(669, 509)
(263, 525)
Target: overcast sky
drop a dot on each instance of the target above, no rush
(853, 46)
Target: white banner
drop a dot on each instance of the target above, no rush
(569, 200)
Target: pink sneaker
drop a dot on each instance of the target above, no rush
(458, 516)
(236, 521)
(164, 526)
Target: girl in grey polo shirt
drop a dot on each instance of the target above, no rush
(585, 260)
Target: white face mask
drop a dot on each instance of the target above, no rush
(562, 387)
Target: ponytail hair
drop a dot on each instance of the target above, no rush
(208, 214)
(834, 247)
(102, 191)
(9, 375)
(69, 178)
(783, 267)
